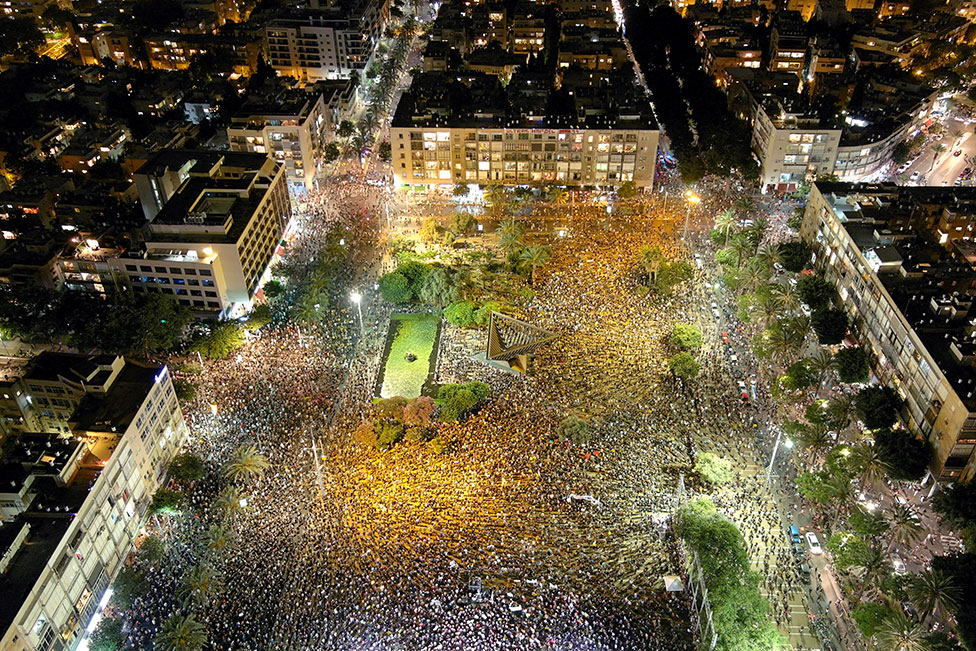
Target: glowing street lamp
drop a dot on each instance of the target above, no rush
(693, 200)
(357, 298)
(213, 409)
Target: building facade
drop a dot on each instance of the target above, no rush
(65, 583)
(576, 157)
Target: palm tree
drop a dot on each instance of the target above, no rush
(511, 242)
(219, 538)
(229, 500)
(181, 633)
(933, 590)
(769, 255)
(870, 567)
(535, 257)
(756, 233)
(200, 585)
(245, 463)
(870, 468)
(726, 221)
(745, 204)
(816, 440)
(754, 275)
(557, 195)
(511, 228)
(905, 528)
(899, 632)
(823, 363)
(784, 343)
(841, 409)
(937, 150)
(770, 307)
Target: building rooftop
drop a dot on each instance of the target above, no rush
(114, 410)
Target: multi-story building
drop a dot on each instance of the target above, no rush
(795, 143)
(172, 51)
(787, 45)
(68, 546)
(216, 220)
(314, 44)
(51, 387)
(903, 260)
(292, 128)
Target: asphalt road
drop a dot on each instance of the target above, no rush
(946, 168)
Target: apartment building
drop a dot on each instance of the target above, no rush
(216, 221)
(52, 385)
(904, 263)
(788, 45)
(292, 128)
(67, 545)
(332, 43)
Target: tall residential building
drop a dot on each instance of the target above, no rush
(80, 519)
(903, 260)
(314, 44)
(292, 128)
(216, 221)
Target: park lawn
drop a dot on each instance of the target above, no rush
(416, 333)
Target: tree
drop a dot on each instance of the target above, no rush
(714, 469)
(878, 406)
(200, 585)
(934, 590)
(901, 152)
(460, 190)
(166, 502)
(684, 366)
(186, 468)
(386, 151)
(534, 257)
(218, 538)
(107, 636)
(346, 128)
(575, 429)
(418, 412)
(246, 462)
(19, 36)
(800, 375)
(129, 585)
(151, 550)
(395, 288)
(221, 342)
(853, 364)
(181, 633)
(455, 400)
(956, 503)
(460, 314)
(848, 550)
(725, 223)
(438, 287)
(686, 336)
(627, 190)
(258, 317)
(55, 17)
(866, 523)
(831, 325)
(870, 617)
(815, 291)
(795, 255)
(904, 454)
(332, 152)
(899, 632)
(670, 274)
(904, 526)
(185, 390)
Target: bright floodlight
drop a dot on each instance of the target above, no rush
(355, 296)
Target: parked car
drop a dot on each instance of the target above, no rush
(794, 534)
(915, 176)
(805, 572)
(814, 543)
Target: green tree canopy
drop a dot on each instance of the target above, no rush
(853, 364)
(186, 467)
(166, 502)
(221, 341)
(815, 291)
(714, 469)
(686, 336)
(460, 314)
(181, 633)
(878, 406)
(904, 454)
(575, 429)
(869, 617)
(795, 255)
(831, 325)
(684, 365)
(455, 400)
(395, 288)
(107, 636)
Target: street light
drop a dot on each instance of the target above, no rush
(787, 443)
(693, 200)
(357, 298)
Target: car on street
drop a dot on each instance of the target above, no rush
(814, 543)
(915, 176)
(805, 572)
(794, 534)
(958, 152)
(898, 564)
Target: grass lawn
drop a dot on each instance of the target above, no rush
(416, 334)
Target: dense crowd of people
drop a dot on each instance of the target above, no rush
(510, 539)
